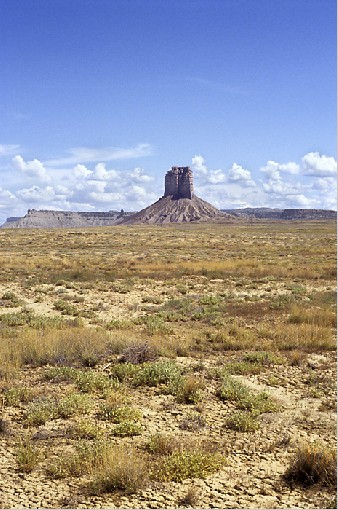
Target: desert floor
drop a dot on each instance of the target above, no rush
(168, 367)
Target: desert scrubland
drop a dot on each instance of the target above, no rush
(168, 367)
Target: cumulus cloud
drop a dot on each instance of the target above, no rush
(290, 167)
(281, 187)
(318, 165)
(138, 175)
(300, 200)
(32, 168)
(136, 193)
(325, 184)
(198, 165)
(101, 173)
(96, 185)
(81, 171)
(273, 169)
(291, 186)
(216, 177)
(37, 194)
(105, 198)
(240, 175)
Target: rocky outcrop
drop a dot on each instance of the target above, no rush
(178, 204)
(283, 214)
(179, 182)
(64, 219)
(182, 210)
(308, 214)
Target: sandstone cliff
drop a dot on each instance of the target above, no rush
(65, 219)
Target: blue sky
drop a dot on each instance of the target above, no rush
(99, 98)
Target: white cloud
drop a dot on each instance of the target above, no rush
(87, 155)
(136, 193)
(315, 164)
(6, 198)
(325, 184)
(240, 175)
(290, 167)
(216, 177)
(271, 169)
(95, 185)
(105, 198)
(32, 168)
(102, 174)
(7, 150)
(37, 194)
(280, 187)
(138, 175)
(81, 171)
(300, 200)
(48, 194)
(198, 165)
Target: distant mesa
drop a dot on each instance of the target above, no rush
(65, 219)
(266, 213)
(178, 204)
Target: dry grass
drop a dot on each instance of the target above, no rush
(130, 338)
(312, 464)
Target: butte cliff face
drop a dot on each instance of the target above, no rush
(179, 203)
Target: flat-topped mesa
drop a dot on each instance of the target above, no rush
(179, 182)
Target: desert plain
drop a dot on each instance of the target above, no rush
(191, 365)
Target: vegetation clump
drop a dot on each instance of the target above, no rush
(239, 394)
(313, 463)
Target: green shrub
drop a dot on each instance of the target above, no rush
(242, 421)
(40, 411)
(87, 381)
(44, 409)
(84, 429)
(11, 299)
(117, 414)
(154, 374)
(147, 374)
(263, 358)
(153, 324)
(73, 404)
(127, 429)
(188, 464)
(18, 395)
(27, 455)
(242, 367)
(239, 394)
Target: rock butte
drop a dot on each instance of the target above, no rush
(179, 203)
